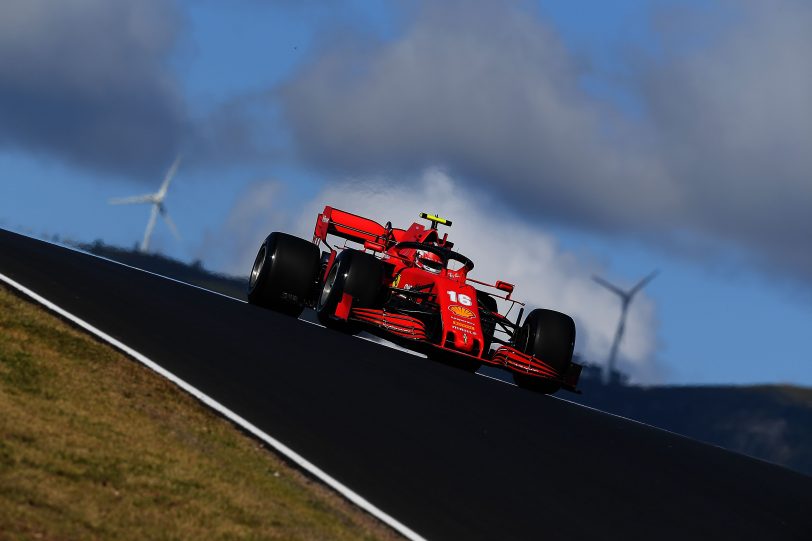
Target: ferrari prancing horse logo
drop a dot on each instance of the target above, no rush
(461, 311)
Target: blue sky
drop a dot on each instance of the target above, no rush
(730, 306)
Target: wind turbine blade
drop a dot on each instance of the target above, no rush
(146, 198)
(150, 226)
(609, 286)
(642, 283)
(171, 224)
(168, 178)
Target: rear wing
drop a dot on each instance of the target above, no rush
(354, 228)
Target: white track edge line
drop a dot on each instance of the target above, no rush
(280, 447)
(103, 258)
(404, 350)
(495, 379)
(590, 408)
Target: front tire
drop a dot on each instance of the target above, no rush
(549, 336)
(358, 274)
(284, 274)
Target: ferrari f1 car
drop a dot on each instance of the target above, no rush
(408, 286)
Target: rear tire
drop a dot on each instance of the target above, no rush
(549, 336)
(358, 274)
(284, 274)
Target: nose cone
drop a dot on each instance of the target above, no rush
(464, 340)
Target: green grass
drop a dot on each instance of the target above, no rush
(95, 446)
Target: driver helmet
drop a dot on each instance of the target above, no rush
(429, 261)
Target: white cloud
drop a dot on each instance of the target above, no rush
(733, 123)
(258, 210)
(88, 81)
(720, 150)
(489, 90)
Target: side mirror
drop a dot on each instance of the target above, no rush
(506, 287)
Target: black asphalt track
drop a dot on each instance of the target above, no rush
(450, 454)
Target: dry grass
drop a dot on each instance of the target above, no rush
(95, 446)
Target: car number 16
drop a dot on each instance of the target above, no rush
(463, 299)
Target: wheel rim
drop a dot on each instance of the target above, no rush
(328, 286)
(256, 270)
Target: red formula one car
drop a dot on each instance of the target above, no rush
(410, 287)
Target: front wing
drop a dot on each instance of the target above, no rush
(412, 329)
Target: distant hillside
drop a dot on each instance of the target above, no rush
(770, 422)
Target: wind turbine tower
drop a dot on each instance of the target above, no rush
(626, 299)
(157, 201)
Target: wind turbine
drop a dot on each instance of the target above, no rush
(157, 201)
(626, 299)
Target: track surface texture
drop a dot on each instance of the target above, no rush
(450, 454)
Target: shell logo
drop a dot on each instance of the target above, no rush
(461, 311)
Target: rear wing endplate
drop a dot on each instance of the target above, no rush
(348, 226)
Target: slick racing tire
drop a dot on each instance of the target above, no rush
(284, 274)
(549, 336)
(358, 274)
